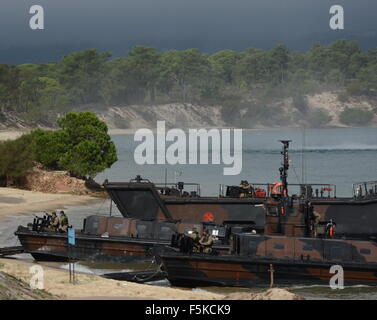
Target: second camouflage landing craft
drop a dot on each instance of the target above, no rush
(292, 248)
(154, 212)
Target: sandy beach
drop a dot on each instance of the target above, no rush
(93, 287)
(17, 201)
(88, 286)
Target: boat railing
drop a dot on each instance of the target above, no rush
(365, 190)
(314, 190)
(190, 188)
(262, 190)
(176, 188)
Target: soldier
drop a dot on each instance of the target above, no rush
(63, 222)
(206, 242)
(330, 229)
(316, 218)
(359, 192)
(54, 222)
(246, 189)
(196, 237)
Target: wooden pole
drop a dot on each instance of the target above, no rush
(271, 270)
(69, 263)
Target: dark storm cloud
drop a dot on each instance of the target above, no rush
(209, 25)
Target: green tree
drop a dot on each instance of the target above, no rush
(118, 85)
(145, 67)
(10, 82)
(319, 118)
(17, 157)
(89, 147)
(368, 78)
(356, 116)
(50, 146)
(223, 64)
(81, 73)
(280, 55)
(253, 67)
(184, 70)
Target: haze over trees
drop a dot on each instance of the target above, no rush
(43, 92)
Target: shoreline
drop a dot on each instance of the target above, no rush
(14, 134)
(17, 201)
(132, 131)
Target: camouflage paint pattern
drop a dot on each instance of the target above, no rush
(294, 260)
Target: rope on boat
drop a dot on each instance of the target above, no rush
(158, 271)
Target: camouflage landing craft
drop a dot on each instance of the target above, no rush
(294, 245)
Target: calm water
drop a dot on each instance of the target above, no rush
(334, 156)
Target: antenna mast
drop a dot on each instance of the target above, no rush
(285, 166)
(303, 167)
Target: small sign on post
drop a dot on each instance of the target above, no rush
(71, 243)
(71, 236)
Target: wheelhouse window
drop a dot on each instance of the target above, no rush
(273, 211)
(141, 228)
(365, 251)
(279, 246)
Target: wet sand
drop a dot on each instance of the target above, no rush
(16, 201)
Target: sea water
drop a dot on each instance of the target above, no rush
(340, 156)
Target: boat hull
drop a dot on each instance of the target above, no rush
(50, 246)
(227, 270)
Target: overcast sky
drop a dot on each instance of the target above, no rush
(210, 25)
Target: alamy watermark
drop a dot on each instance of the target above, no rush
(337, 280)
(184, 148)
(36, 22)
(37, 279)
(337, 18)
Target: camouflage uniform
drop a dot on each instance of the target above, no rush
(63, 222)
(206, 242)
(195, 236)
(54, 223)
(245, 189)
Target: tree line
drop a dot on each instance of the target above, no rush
(42, 92)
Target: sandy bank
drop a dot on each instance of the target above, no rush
(16, 201)
(12, 288)
(270, 294)
(11, 135)
(56, 282)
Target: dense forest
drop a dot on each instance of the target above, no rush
(42, 92)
